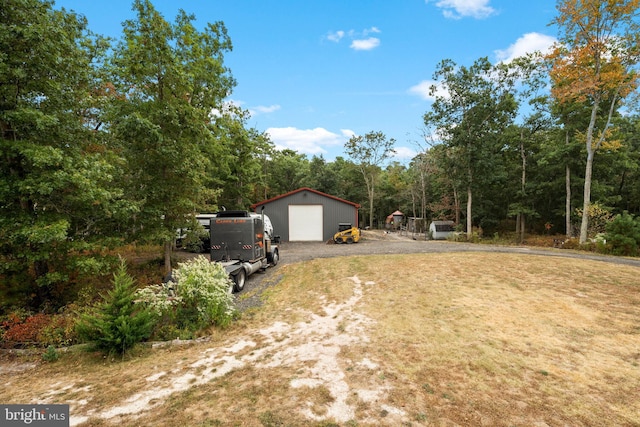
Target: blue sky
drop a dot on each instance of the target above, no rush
(312, 73)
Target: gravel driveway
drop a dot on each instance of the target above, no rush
(380, 243)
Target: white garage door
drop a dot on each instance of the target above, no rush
(305, 223)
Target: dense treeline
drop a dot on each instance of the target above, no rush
(106, 143)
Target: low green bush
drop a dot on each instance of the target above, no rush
(623, 235)
(51, 354)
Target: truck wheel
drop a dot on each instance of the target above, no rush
(238, 279)
(274, 258)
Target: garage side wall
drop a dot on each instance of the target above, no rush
(334, 212)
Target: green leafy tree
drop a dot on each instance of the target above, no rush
(438, 185)
(626, 169)
(172, 77)
(468, 116)
(118, 323)
(526, 79)
(349, 178)
(59, 199)
(287, 172)
(394, 190)
(369, 153)
(564, 150)
(244, 152)
(321, 176)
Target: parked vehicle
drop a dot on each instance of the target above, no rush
(195, 238)
(347, 234)
(243, 242)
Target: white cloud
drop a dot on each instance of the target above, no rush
(457, 9)
(360, 40)
(423, 90)
(365, 44)
(307, 141)
(371, 30)
(528, 43)
(347, 133)
(404, 153)
(261, 109)
(336, 36)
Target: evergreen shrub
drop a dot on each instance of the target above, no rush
(623, 235)
(119, 322)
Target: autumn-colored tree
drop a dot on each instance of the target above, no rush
(593, 63)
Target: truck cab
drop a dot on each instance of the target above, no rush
(241, 243)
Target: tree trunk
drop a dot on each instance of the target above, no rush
(469, 222)
(469, 200)
(568, 225)
(168, 245)
(584, 226)
(371, 207)
(523, 186)
(456, 203)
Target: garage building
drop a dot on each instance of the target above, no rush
(307, 215)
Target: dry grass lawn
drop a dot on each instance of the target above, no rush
(428, 339)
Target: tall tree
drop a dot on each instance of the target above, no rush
(287, 172)
(468, 118)
(593, 63)
(321, 177)
(526, 70)
(173, 77)
(627, 177)
(394, 190)
(571, 117)
(56, 189)
(419, 170)
(369, 152)
(241, 171)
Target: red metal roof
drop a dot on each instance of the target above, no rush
(320, 193)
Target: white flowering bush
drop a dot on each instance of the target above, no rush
(204, 291)
(161, 299)
(199, 296)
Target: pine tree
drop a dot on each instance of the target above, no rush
(119, 322)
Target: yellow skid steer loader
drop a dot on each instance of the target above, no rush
(347, 234)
